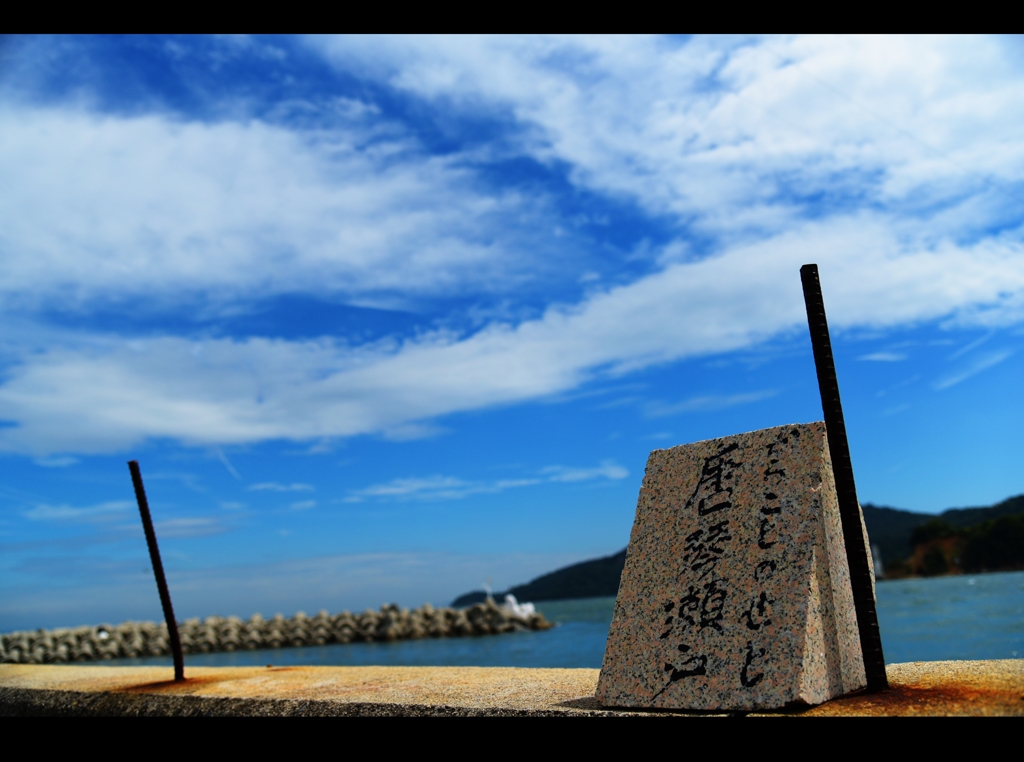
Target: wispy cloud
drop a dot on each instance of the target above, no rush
(407, 432)
(659, 435)
(226, 391)
(57, 462)
(716, 113)
(620, 402)
(186, 527)
(705, 403)
(93, 514)
(900, 385)
(971, 346)
(607, 470)
(227, 464)
(278, 487)
(451, 488)
(187, 204)
(982, 363)
(771, 152)
(302, 505)
(188, 480)
(352, 582)
(435, 486)
(115, 511)
(884, 357)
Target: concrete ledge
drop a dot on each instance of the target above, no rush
(966, 688)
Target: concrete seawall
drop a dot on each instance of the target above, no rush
(964, 688)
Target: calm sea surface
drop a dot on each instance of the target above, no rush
(979, 617)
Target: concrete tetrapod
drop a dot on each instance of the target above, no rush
(135, 639)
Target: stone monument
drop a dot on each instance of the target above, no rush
(736, 592)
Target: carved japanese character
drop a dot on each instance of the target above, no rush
(758, 613)
(694, 609)
(710, 496)
(712, 605)
(748, 680)
(764, 570)
(691, 667)
(772, 461)
(702, 551)
(688, 605)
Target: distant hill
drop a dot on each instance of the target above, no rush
(964, 517)
(589, 579)
(888, 528)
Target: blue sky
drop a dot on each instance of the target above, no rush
(384, 317)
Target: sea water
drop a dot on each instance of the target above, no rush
(977, 616)
(962, 617)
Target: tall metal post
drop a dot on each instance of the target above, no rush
(158, 570)
(846, 490)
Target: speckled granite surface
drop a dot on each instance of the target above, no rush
(736, 591)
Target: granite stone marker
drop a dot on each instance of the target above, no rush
(736, 590)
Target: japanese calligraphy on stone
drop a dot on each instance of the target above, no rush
(735, 592)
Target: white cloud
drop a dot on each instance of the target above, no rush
(109, 395)
(185, 527)
(101, 512)
(302, 505)
(889, 162)
(979, 364)
(108, 206)
(61, 462)
(734, 131)
(607, 470)
(706, 402)
(971, 346)
(884, 357)
(278, 487)
(227, 464)
(115, 510)
(434, 486)
(405, 432)
(439, 487)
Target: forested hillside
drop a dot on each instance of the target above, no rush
(989, 538)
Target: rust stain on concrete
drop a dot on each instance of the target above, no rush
(182, 686)
(923, 688)
(947, 688)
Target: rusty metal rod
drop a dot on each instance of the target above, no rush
(846, 489)
(158, 570)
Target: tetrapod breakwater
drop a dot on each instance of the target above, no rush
(135, 639)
